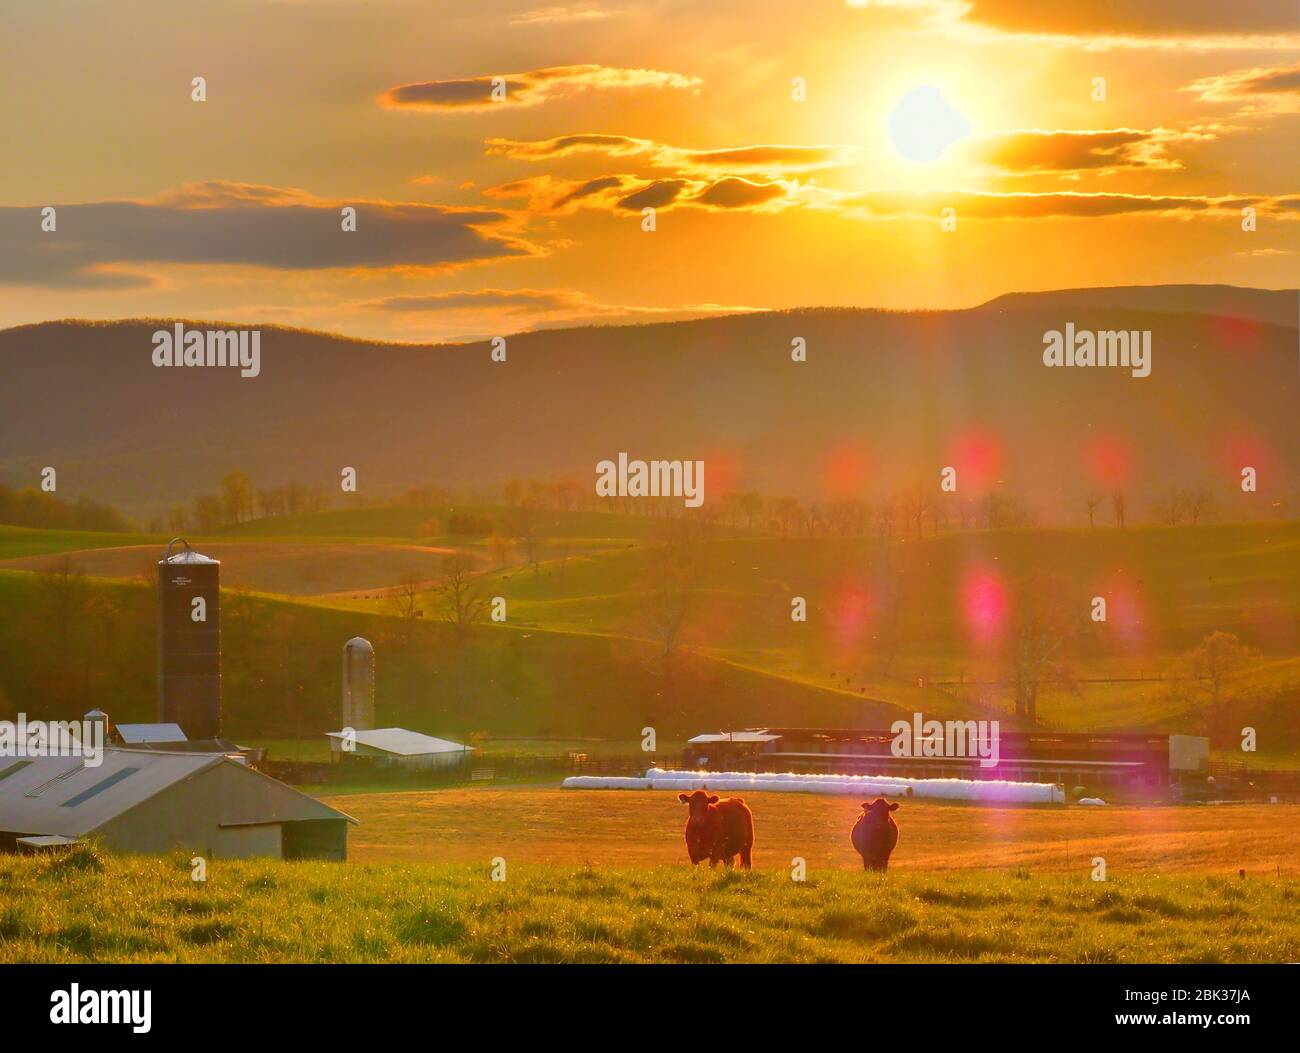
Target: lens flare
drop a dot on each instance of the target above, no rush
(978, 455)
(850, 615)
(844, 472)
(1108, 460)
(985, 605)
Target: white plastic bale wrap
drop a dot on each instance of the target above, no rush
(849, 785)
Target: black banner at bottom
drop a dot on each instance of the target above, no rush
(144, 1002)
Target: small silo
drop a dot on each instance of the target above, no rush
(189, 641)
(98, 716)
(358, 684)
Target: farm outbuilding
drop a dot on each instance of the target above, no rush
(137, 734)
(1107, 758)
(397, 747)
(153, 802)
(169, 738)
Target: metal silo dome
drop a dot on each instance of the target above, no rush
(358, 684)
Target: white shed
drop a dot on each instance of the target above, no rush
(401, 748)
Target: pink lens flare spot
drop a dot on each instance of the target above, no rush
(1241, 335)
(985, 605)
(721, 472)
(1125, 612)
(1108, 460)
(850, 615)
(844, 472)
(1242, 448)
(978, 456)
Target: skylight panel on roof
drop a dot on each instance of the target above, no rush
(99, 787)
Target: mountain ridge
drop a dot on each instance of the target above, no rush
(883, 401)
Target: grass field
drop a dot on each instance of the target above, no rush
(83, 907)
(393, 524)
(644, 828)
(18, 542)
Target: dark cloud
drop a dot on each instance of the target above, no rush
(587, 189)
(657, 194)
(738, 193)
(97, 243)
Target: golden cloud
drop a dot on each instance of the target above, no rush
(1102, 150)
(1264, 89)
(766, 158)
(525, 89)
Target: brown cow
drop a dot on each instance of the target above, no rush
(718, 830)
(875, 833)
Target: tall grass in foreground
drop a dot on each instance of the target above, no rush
(85, 906)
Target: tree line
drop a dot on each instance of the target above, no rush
(30, 507)
(239, 501)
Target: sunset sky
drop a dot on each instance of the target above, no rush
(478, 216)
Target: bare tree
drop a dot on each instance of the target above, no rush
(786, 513)
(1171, 507)
(750, 505)
(1042, 622)
(1201, 504)
(916, 504)
(237, 497)
(886, 513)
(1118, 506)
(501, 550)
(523, 521)
(404, 601)
(848, 518)
(62, 594)
(671, 579)
(460, 598)
(1094, 502)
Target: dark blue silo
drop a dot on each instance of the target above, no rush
(189, 642)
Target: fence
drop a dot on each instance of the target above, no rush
(1239, 778)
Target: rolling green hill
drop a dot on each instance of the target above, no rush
(885, 617)
(889, 632)
(406, 524)
(281, 673)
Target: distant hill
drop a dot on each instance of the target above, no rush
(884, 401)
(1272, 307)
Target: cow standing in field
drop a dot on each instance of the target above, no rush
(718, 830)
(875, 833)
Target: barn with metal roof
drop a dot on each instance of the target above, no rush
(399, 748)
(155, 801)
